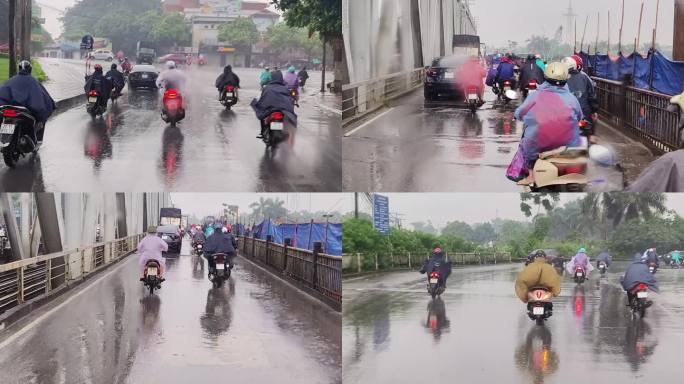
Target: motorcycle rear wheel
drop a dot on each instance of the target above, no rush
(151, 287)
(10, 158)
(539, 320)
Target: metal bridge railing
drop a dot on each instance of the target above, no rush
(27, 279)
(313, 269)
(641, 112)
(365, 97)
(360, 262)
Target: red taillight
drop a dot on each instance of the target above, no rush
(432, 73)
(9, 113)
(642, 287)
(219, 259)
(92, 93)
(171, 94)
(277, 116)
(507, 82)
(582, 124)
(471, 90)
(532, 85)
(434, 274)
(572, 169)
(229, 88)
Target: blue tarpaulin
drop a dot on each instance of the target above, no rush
(655, 72)
(299, 235)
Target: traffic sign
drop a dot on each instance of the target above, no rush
(381, 214)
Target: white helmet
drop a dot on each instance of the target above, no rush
(171, 64)
(570, 62)
(556, 74)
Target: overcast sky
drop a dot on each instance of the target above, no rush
(474, 207)
(203, 204)
(503, 20)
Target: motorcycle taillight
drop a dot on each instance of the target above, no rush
(92, 93)
(471, 90)
(229, 88)
(582, 124)
(219, 259)
(642, 287)
(9, 113)
(277, 116)
(507, 82)
(434, 274)
(171, 94)
(532, 85)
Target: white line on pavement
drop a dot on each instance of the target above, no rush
(367, 123)
(42, 317)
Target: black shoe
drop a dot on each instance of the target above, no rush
(260, 136)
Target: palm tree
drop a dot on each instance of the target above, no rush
(268, 207)
(547, 200)
(619, 207)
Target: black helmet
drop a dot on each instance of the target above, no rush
(540, 253)
(25, 66)
(113, 66)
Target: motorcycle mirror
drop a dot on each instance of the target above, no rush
(604, 156)
(511, 94)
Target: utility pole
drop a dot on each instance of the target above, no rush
(325, 41)
(678, 43)
(25, 29)
(356, 205)
(12, 38)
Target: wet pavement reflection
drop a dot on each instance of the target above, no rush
(253, 329)
(478, 331)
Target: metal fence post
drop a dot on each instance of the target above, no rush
(358, 262)
(48, 275)
(269, 239)
(317, 248)
(376, 261)
(253, 247)
(409, 261)
(20, 285)
(286, 244)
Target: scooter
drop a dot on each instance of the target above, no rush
(151, 278)
(580, 275)
(172, 107)
(539, 306)
(17, 133)
(273, 128)
(639, 301)
(94, 106)
(294, 94)
(529, 89)
(473, 99)
(222, 270)
(229, 97)
(435, 287)
(602, 268)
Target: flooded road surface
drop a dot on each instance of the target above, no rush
(414, 147)
(478, 332)
(132, 149)
(255, 329)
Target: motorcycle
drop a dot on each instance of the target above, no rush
(95, 107)
(294, 94)
(116, 93)
(273, 128)
(580, 275)
(652, 267)
(172, 107)
(17, 133)
(507, 94)
(435, 287)
(602, 268)
(472, 99)
(221, 271)
(151, 280)
(530, 88)
(199, 248)
(229, 97)
(302, 82)
(639, 301)
(539, 306)
(560, 170)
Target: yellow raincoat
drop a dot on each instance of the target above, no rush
(536, 274)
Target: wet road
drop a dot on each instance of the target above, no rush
(255, 329)
(479, 331)
(132, 149)
(415, 147)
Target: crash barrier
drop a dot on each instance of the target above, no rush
(302, 236)
(361, 262)
(359, 99)
(314, 269)
(641, 112)
(28, 279)
(654, 72)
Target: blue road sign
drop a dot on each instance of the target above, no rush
(381, 214)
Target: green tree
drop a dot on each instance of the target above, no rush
(241, 33)
(428, 228)
(171, 30)
(483, 233)
(322, 16)
(268, 208)
(282, 38)
(458, 228)
(617, 207)
(547, 200)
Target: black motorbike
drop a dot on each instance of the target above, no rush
(116, 93)
(273, 128)
(95, 106)
(221, 271)
(294, 94)
(229, 97)
(539, 306)
(151, 280)
(639, 300)
(435, 284)
(602, 267)
(198, 248)
(17, 133)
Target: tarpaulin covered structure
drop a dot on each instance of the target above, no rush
(654, 72)
(302, 235)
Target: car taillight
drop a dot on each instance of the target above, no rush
(532, 85)
(642, 287)
(92, 93)
(9, 113)
(277, 116)
(229, 88)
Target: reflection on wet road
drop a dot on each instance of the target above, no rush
(131, 149)
(416, 147)
(478, 332)
(255, 329)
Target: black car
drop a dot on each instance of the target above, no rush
(441, 78)
(171, 235)
(143, 76)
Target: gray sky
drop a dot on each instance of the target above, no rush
(517, 20)
(203, 204)
(474, 207)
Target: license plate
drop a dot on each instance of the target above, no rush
(507, 89)
(165, 237)
(642, 294)
(472, 97)
(199, 246)
(448, 75)
(220, 266)
(92, 99)
(7, 129)
(151, 271)
(276, 126)
(580, 274)
(144, 76)
(434, 281)
(230, 94)
(538, 311)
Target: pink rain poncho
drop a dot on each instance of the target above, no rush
(579, 259)
(151, 248)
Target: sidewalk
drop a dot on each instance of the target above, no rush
(65, 77)
(632, 154)
(329, 101)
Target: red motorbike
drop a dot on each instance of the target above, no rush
(172, 107)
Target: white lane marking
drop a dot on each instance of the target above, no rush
(42, 317)
(367, 123)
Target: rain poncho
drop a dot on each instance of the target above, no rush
(505, 70)
(650, 256)
(116, 78)
(540, 64)
(636, 273)
(209, 231)
(605, 257)
(275, 97)
(581, 85)
(537, 274)
(291, 80)
(666, 174)
(220, 243)
(444, 266)
(580, 259)
(151, 248)
(98, 82)
(228, 77)
(25, 91)
(676, 257)
(529, 72)
(198, 237)
(551, 116)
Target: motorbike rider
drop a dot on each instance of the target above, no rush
(581, 85)
(151, 248)
(605, 257)
(530, 71)
(505, 71)
(471, 74)
(274, 97)
(265, 77)
(581, 259)
(676, 258)
(537, 274)
(126, 66)
(25, 91)
(228, 77)
(116, 78)
(198, 237)
(636, 273)
(221, 241)
(303, 76)
(651, 256)
(551, 116)
(437, 256)
(98, 82)
(171, 78)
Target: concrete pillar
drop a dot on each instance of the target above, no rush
(678, 43)
(12, 228)
(49, 222)
(109, 219)
(122, 225)
(73, 208)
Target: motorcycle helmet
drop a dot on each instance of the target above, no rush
(171, 64)
(25, 66)
(224, 229)
(97, 68)
(151, 229)
(556, 73)
(292, 69)
(437, 250)
(570, 62)
(114, 66)
(579, 61)
(229, 228)
(582, 250)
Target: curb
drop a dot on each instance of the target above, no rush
(66, 104)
